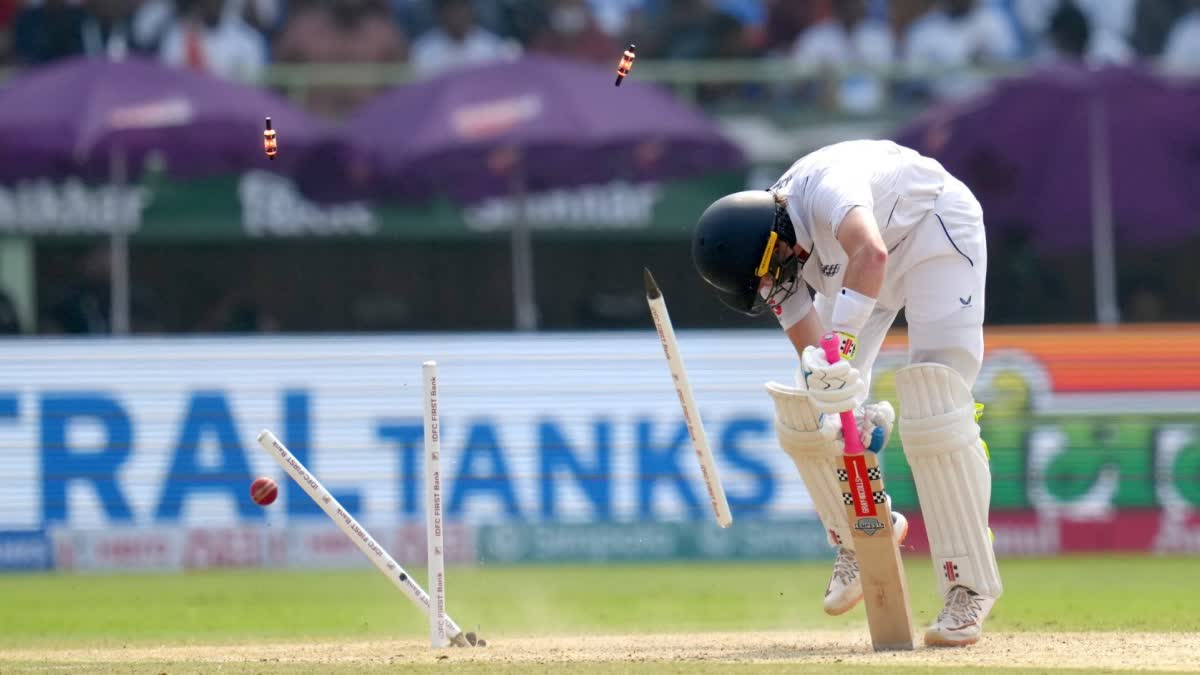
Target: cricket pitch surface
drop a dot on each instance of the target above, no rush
(796, 651)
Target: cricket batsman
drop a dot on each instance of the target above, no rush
(872, 227)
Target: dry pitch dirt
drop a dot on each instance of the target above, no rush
(1099, 651)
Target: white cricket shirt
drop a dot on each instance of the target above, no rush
(902, 189)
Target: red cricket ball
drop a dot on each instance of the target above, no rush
(263, 491)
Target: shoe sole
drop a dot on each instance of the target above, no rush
(947, 642)
(838, 612)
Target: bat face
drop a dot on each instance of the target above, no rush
(885, 588)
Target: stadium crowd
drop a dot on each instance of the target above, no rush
(238, 38)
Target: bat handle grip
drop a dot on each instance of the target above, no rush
(853, 444)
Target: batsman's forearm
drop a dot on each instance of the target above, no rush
(806, 332)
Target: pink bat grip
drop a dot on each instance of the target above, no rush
(854, 446)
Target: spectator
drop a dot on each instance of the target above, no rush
(151, 21)
(1109, 22)
(683, 29)
(519, 20)
(1114, 17)
(952, 37)
(1112, 23)
(733, 39)
(617, 17)
(415, 16)
(1069, 34)
(786, 19)
(458, 40)
(749, 15)
(48, 32)
(698, 29)
(571, 31)
(419, 16)
(961, 33)
(340, 31)
(849, 41)
(1152, 22)
(901, 16)
(108, 31)
(206, 38)
(1182, 53)
(264, 16)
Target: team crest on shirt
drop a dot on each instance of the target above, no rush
(830, 270)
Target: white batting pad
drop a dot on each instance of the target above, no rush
(950, 467)
(816, 449)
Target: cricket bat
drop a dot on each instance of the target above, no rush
(885, 588)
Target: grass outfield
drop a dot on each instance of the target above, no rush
(1067, 594)
(51, 612)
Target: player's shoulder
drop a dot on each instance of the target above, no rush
(847, 159)
(843, 160)
(811, 166)
(851, 151)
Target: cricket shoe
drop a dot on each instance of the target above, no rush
(845, 586)
(961, 621)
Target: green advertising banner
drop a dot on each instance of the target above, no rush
(263, 205)
(751, 539)
(1084, 453)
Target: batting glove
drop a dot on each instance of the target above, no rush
(834, 388)
(875, 422)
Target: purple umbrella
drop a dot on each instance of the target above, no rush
(100, 121)
(1077, 156)
(1042, 151)
(556, 123)
(69, 118)
(514, 127)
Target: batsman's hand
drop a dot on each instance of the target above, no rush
(875, 422)
(835, 387)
